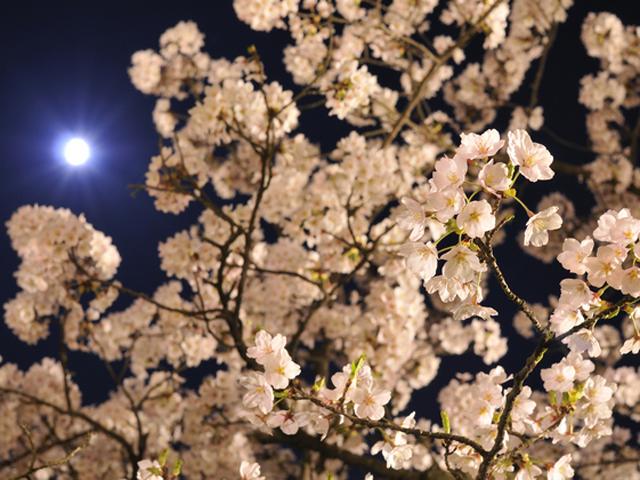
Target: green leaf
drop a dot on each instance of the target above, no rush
(177, 468)
(318, 385)
(357, 365)
(282, 394)
(162, 459)
(446, 424)
(353, 254)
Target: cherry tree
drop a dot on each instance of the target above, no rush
(326, 286)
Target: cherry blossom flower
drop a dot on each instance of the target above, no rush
(449, 172)
(421, 259)
(304, 243)
(533, 158)
(288, 421)
(264, 15)
(476, 218)
(266, 346)
(574, 254)
(574, 293)
(250, 471)
(538, 226)
(602, 267)
(149, 470)
(259, 392)
(183, 38)
(448, 288)
(145, 71)
(523, 408)
(626, 280)
(412, 218)
(279, 369)
(583, 341)
(631, 345)
(494, 177)
(354, 89)
(603, 35)
(558, 378)
(582, 366)
(468, 310)
(462, 263)
(597, 390)
(617, 227)
(340, 380)
(397, 452)
(370, 403)
(528, 472)
(624, 231)
(446, 203)
(561, 470)
(475, 146)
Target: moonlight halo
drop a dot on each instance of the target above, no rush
(76, 151)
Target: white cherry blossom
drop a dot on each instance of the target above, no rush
(558, 378)
(583, 341)
(574, 254)
(561, 470)
(259, 392)
(616, 226)
(574, 293)
(412, 218)
(602, 267)
(631, 345)
(476, 218)
(538, 226)
(449, 172)
(421, 259)
(266, 346)
(287, 421)
(250, 471)
(475, 146)
(533, 158)
(279, 369)
(149, 470)
(494, 177)
(370, 403)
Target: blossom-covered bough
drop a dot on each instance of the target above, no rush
(323, 288)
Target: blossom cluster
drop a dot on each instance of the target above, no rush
(445, 209)
(279, 369)
(55, 246)
(609, 267)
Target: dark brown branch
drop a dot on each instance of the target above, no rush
(387, 424)
(518, 383)
(304, 441)
(55, 463)
(124, 443)
(537, 81)
(44, 448)
(519, 378)
(487, 255)
(464, 39)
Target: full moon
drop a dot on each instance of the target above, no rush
(76, 152)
